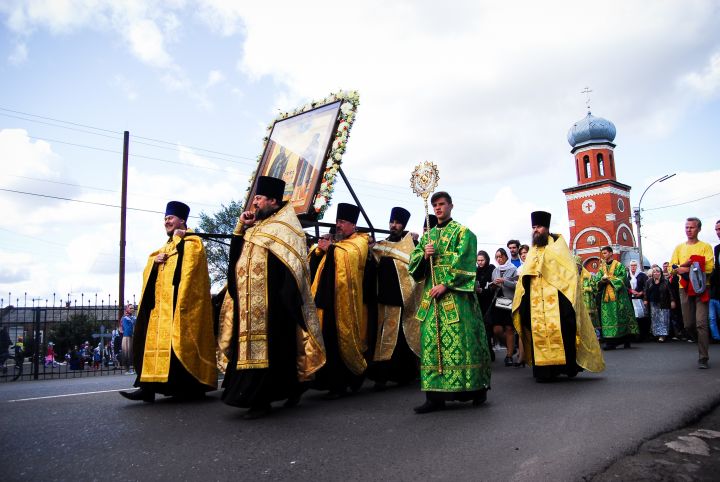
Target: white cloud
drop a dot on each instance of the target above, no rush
(706, 82)
(148, 44)
(476, 81)
(19, 54)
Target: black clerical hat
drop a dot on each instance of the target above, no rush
(433, 221)
(270, 187)
(540, 218)
(176, 208)
(400, 215)
(348, 212)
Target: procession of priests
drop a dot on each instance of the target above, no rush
(327, 317)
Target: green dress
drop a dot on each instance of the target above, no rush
(589, 286)
(617, 317)
(463, 347)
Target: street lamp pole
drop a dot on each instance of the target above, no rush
(638, 220)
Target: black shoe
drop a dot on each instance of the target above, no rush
(146, 396)
(480, 399)
(608, 346)
(333, 395)
(519, 364)
(703, 364)
(257, 412)
(626, 344)
(508, 361)
(292, 401)
(429, 406)
(380, 386)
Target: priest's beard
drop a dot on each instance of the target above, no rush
(340, 236)
(264, 213)
(540, 239)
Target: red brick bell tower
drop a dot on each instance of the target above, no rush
(598, 206)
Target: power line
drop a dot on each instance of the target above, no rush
(84, 202)
(385, 187)
(98, 188)
(118, 135)
(683, 203)
(139, 156)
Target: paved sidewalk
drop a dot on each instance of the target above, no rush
(691, 453)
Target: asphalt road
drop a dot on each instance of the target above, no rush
(567, 430)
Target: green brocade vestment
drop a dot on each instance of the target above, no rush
(462, 343)
(617, 316)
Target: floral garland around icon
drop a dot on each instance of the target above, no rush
(346, 116)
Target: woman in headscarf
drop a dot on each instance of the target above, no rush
(659, 298)
(505, 278)
(483, 281)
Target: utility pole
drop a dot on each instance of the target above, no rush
(123, 213)
(638, 220)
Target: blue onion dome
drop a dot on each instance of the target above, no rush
(590, 130)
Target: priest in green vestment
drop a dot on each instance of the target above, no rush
(615, 310)
(454, 361)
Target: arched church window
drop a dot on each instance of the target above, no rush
(588, 169)
(601, 165)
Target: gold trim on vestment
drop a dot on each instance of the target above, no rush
(350, 312)
(552, 270)
(411, 291)
(608, 270)
(188, 330)
(281, 234)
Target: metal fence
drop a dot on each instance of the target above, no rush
(65, 341)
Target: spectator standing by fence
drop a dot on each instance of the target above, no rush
(19, 357)
(5, 343)
(128, 324)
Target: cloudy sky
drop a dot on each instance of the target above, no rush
(486, 90)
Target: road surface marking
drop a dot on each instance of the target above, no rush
(65, 395)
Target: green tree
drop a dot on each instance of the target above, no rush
(218, 251)
(75, 331)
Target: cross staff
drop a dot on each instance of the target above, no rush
(423, 182)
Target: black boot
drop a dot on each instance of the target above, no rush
(257, 412)
(480, 398)
(429, 406)
(145, 395)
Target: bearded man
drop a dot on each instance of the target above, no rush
(344, 287)
(270, 338)
(548, 309)
(398, 335)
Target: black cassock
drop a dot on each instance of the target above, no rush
(335, 376)
(257, 387)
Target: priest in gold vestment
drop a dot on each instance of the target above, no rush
(174, 340)
(548, 309)
(270, 340)
(344, 291)
(398, 333)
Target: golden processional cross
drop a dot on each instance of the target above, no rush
(423, 181)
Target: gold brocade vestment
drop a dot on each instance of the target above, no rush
(183, 326)
(389, 317)
(281, 234)
(552, 270)
(350, 311)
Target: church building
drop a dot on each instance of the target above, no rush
(598, 206)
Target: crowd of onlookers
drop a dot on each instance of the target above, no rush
(655, 294)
